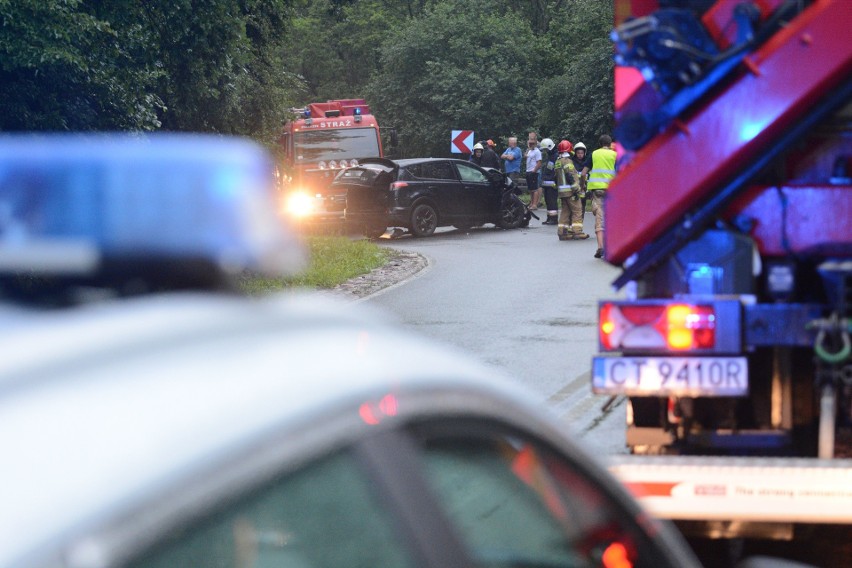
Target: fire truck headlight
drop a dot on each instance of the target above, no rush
(300, 204)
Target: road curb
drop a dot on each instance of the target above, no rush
(402, 267)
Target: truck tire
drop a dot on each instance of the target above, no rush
(424, 220)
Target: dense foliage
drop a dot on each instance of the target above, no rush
(498, 67)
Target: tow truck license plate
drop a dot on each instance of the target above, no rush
(670, 376)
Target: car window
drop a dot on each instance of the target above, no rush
(470, 173)
(516, 504)
(323, 516)
(432, 170)
(363, 174)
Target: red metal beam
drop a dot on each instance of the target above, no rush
(682, 166)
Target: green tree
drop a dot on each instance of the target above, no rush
(188, 65)
(334, 45)
(577, 101)
(462, 65)
(498, 67)
(266, 90)
(62, 68)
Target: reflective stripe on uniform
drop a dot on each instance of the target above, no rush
(606, 175)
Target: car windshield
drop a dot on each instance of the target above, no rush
(337, 144)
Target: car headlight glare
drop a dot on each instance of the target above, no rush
(300, 204)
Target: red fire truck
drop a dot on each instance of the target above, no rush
(321, 140)
(730, 215)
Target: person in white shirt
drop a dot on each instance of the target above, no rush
(533, 166)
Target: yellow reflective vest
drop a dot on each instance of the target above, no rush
(603, 169)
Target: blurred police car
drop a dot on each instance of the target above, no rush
(151, 418)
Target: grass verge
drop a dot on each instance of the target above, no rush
(334, 260)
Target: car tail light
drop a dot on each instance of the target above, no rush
(399, 184)
(657, 327)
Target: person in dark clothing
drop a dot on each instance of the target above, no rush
(476, 157)
(548, 181)
(490, 159)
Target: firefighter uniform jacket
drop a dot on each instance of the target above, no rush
(567, 180)
(548, 168)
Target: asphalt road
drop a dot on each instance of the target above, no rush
(522, 301)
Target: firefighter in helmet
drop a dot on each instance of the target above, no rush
(580, 160)
(548, 180)
(476, 157)
(570, 225)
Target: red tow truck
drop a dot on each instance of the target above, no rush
(731, 217)
(321, 140)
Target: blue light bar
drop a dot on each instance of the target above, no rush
(77, 206)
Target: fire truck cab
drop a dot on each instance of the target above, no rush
(321, 140)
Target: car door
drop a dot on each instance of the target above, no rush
(438, 180)
(476, 198)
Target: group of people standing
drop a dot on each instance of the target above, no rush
(563, 174)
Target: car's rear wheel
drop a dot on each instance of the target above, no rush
(511, 214)
(424, 220)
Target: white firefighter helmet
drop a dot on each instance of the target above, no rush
(547, 144)
(579, 146)
(477, 146)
